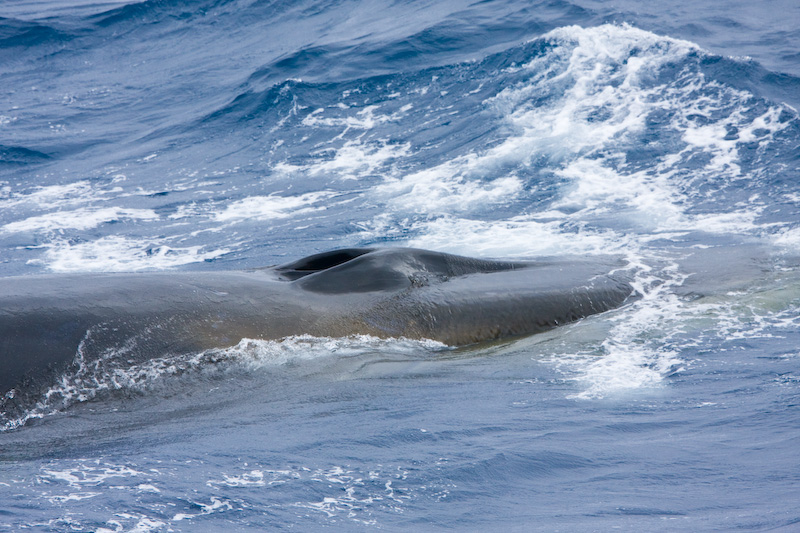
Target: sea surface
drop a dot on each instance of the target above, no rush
(232, 134)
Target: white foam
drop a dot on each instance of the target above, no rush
(78, 219)
(648, 339)
(518, 237)
(649, 199)
(599, 88)
(106, 374)
(190, 210)
(340, 492)
(788, 239)
(254, 478)
(215, 505)
(121, 254)
(605, 77)
(274, 206)
(636, 352)
(137, 523)
(352, 498)
(447, 189)
(364, 119)
(78, 496)
(87, 473)
(257, 353)
(351, 161)
(143, 525)
(714, 138)
(57, 196)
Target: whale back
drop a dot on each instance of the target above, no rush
(360, 270)
(460, 300)
(49, 323)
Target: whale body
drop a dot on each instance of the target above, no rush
(46, 321)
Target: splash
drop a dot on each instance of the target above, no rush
(113, 372)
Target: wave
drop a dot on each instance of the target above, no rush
(19, 155)
(567, 143)
(155, 12)
(16, 33)
(578, 107)
(747, 74)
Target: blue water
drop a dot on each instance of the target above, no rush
(227, 134)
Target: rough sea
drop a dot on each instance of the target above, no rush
(231, 134)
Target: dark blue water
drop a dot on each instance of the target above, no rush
(227, 134)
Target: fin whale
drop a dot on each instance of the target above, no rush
(46, 321)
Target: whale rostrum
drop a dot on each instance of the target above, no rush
(46, 320)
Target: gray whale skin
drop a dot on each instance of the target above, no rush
(47, 320)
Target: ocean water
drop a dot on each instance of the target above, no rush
(230, 134)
